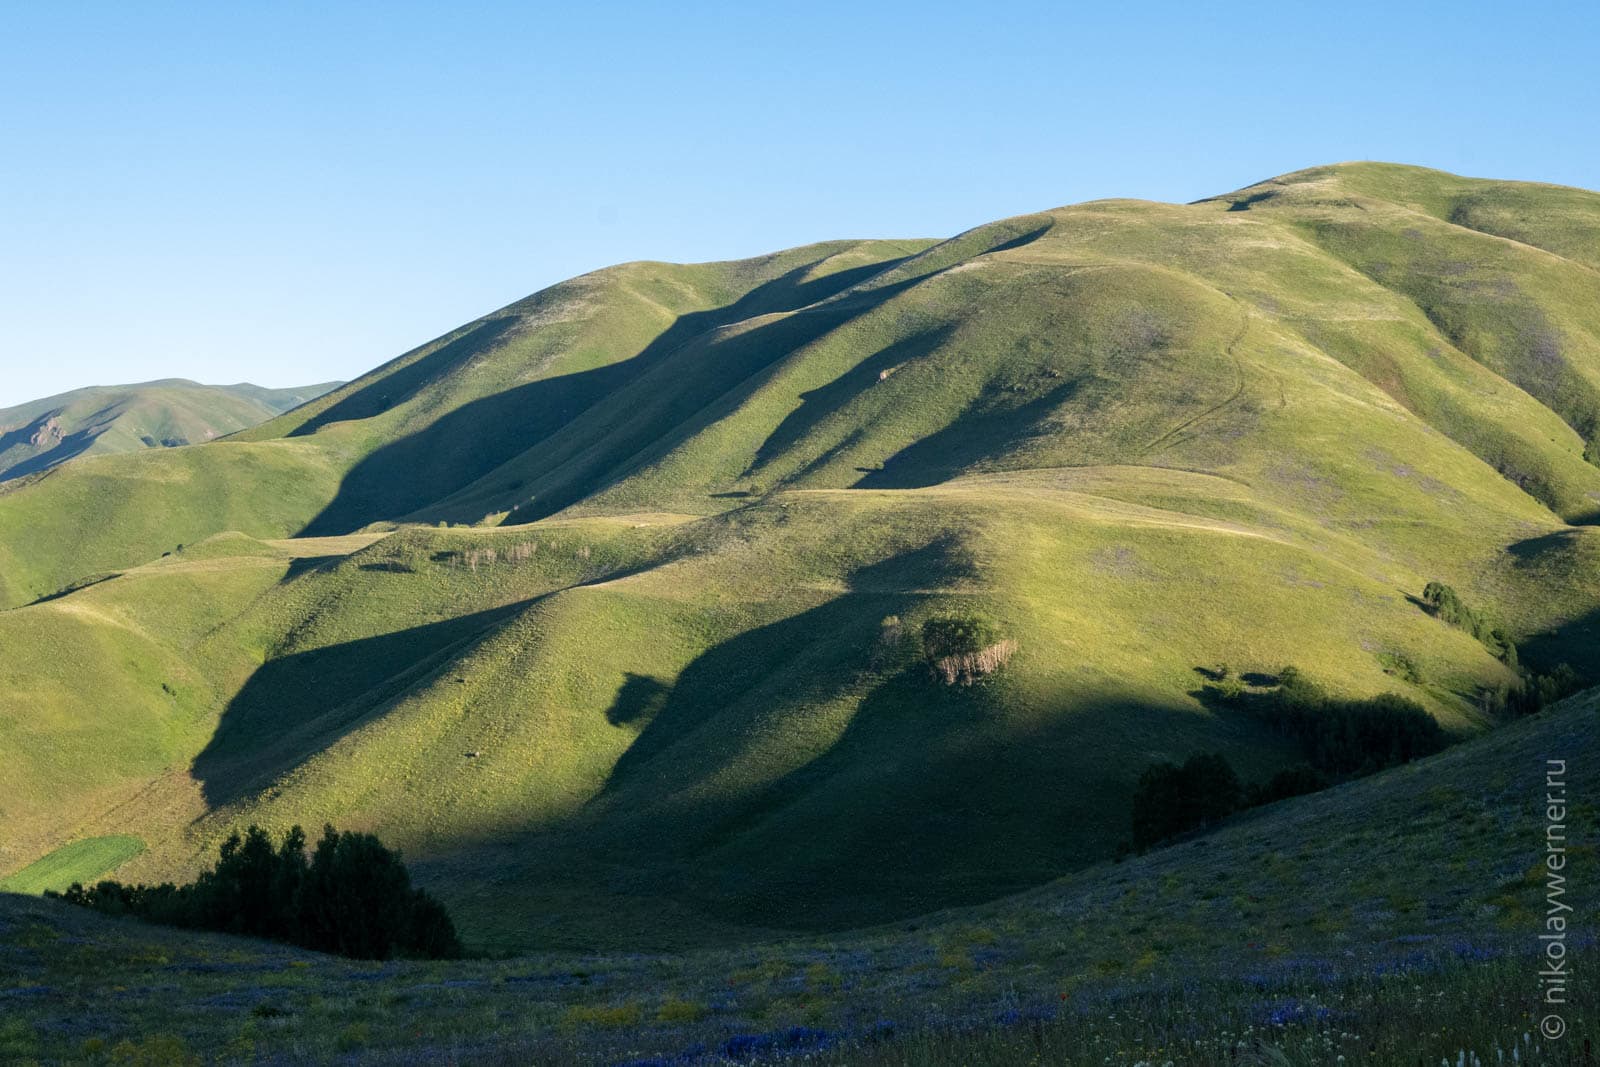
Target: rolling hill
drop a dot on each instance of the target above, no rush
(591, 605)
(121, 418)
(1276, 939)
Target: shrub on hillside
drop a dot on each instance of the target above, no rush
(963, 648)
(353, 897)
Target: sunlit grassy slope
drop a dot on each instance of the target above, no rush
(122, 418)
(82, 861)
(581, 604)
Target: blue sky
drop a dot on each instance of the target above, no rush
(284, 193)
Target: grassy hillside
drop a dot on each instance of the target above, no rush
(1275, 940)
(122, 418)
(586, 604)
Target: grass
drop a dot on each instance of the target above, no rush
(632, 541)
(1273, 940)
(83, 861)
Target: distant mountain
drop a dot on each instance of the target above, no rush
(123, 418)
(605, 607)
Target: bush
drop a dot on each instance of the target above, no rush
(354, 897)
(964, 648)
(957, 635)
(1171, 799)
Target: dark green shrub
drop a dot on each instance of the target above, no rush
(1401, 666)
(957, 635)
(964, 648)
(1445, 605)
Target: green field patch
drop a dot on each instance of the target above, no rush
(80, 861)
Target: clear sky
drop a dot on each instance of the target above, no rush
(285, 193)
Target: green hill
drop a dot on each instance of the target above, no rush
(591, 605)
(121, 418)
(1277, 939)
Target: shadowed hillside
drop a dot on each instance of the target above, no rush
(1275, 934)
(597, 606)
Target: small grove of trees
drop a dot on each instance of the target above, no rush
(352, 896)
(1533, 691)
(964, 648)
(1447, 606)
(1173, 799)
(1348, 738)
(1341, 739)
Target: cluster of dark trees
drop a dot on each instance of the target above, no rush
(1444, 604)
(1341, 739)
(1346, 738)
(1173, 799)
(1533, 691)
(352, 896)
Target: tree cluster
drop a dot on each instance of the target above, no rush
(1347, 738)
(1340, 738)
(1447, 606)
(352, 896)
(1173, 799)
(964, 648)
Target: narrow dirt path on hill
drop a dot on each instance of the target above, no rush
(1238, 389)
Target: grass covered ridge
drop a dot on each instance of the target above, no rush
(102, 420)
(582, 605)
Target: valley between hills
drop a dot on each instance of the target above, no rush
(594, 608)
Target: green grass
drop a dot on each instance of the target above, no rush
(632, 540)
(1278, 930)
(81, 861)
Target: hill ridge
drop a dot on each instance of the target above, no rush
(656, 544)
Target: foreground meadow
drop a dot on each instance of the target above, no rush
(1391, 920)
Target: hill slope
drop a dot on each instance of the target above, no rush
(632, 542)
(121, 418)
(1277, 932)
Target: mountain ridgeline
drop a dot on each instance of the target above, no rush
(40, 434)
(604, 607)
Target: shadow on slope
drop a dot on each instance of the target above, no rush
(817, 405)
(474, 439)
(993, 427)
(70, 445)
(1575, 643)
(298, 704)
(730, 689)
(929, 796)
